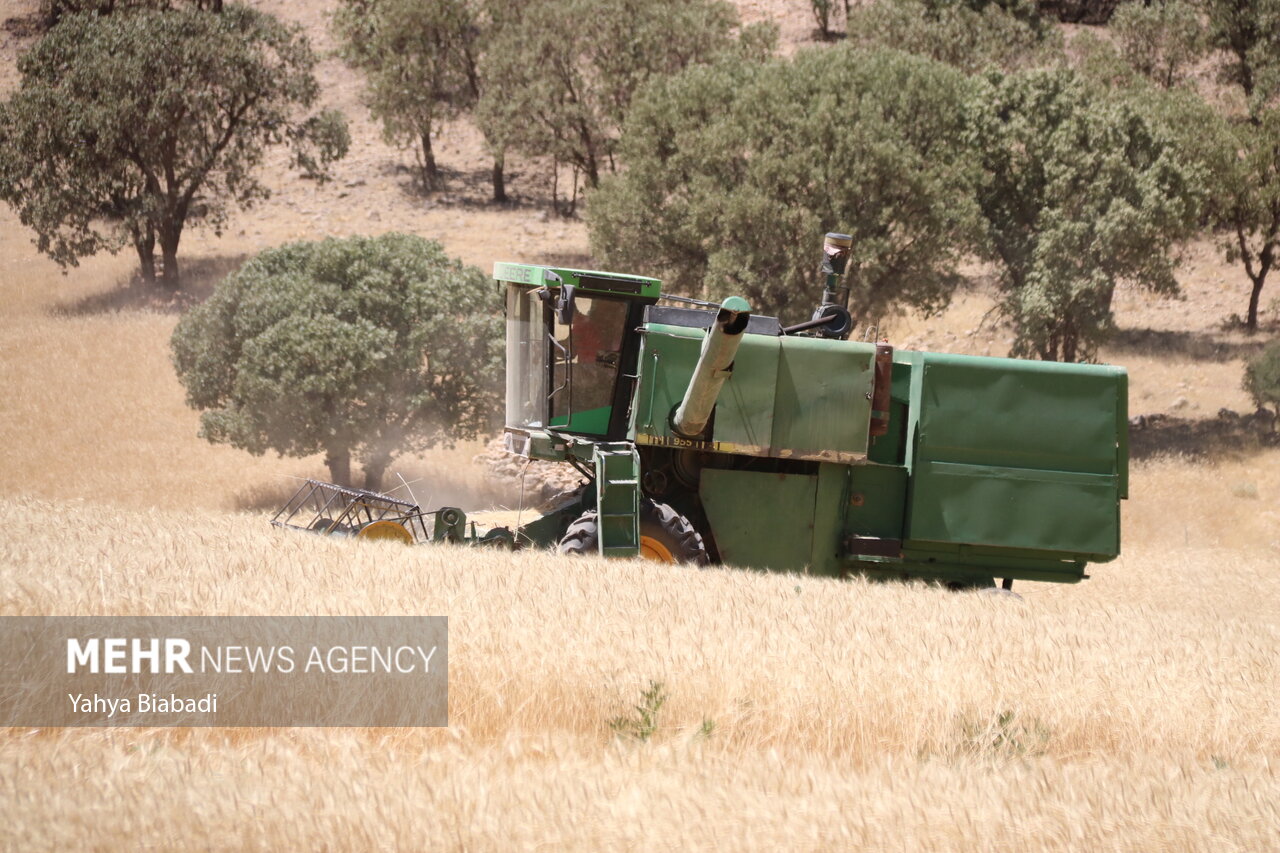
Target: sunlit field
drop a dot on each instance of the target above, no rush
(603, 705)
(1135, 710)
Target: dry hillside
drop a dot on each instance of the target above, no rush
(1135, 711)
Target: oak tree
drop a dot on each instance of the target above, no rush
(129, 127)
(1080, 191)
(357, 348)
(735, 170)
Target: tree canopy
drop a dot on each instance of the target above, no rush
(1079, 192)
(1248, 34)
(130, 126)
(363, 347)
(1243, 159)
(420, 59)
(1161, 41)
(1262, 377)
(560, 74)
(734, 171)
(970, 36)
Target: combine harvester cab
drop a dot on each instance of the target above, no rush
(706, 434)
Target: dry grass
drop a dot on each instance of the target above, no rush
(1135, 711)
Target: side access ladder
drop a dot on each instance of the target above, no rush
(618, 499)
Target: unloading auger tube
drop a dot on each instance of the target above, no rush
(715, 363)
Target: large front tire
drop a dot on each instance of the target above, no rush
(666, 536)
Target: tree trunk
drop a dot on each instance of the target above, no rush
(339, 461)
(145, 244)
(430, 172)
(555, 186)
(1246, 76)
(374, 469)
(1070, 347)
(169, 237)
(499, 178)
(1251, 322)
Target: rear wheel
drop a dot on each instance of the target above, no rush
(666, 536)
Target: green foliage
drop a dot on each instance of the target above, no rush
(363, 346)
(969, 36)
(1243, 158)
(734, 171)
(1161, 41)
(1262, 377)
(1248, 33)
(560, 74)
(1238, 155)
(55, 10)
(642, 723)
(128, 127)
(1080, 192)
(1240, 158)
(420, 59)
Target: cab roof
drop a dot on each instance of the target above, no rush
(589, 280)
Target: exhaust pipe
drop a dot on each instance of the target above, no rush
(714, 367)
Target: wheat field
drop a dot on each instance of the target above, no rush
(1135, 711)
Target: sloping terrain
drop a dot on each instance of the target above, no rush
(1133, 711)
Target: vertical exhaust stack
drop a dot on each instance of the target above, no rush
(835, 295)
(713, 368)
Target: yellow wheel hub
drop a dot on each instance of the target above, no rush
(386, 531)
(652, 549)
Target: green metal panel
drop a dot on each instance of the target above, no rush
(761, 521)
(876, 500)
(1016, 454)
(1020, 414)
(944, 558)
(744, 410)
(1122, 430)
(667, 357)
(744, 418)
(828, 519)
(822, 406)
(1016, 508)
(592, 421)
(800, 398)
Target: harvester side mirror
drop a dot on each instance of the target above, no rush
(564, 305)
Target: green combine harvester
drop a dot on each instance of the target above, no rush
(709, 435)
